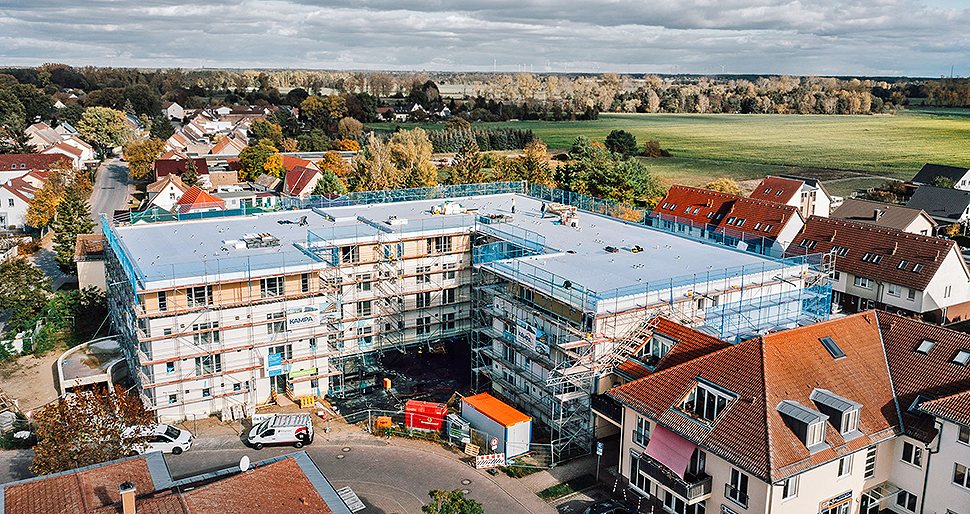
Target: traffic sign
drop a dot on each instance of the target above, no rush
(599, 448)
(494, 443)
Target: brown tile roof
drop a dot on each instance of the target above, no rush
(28, 161)
(750, 433)
(690, 344)
(177, 166)
(955, 407)
(932, 375)
(881, 214)
(278, 487)
(227, 142)
(821, 235)
(777, 189)
(298, 179)
(73, 150)
(702, 206)
(89, 247)
(160, 184)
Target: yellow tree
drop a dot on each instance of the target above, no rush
(724, 185)
(349, 145)
(335, 106)
(374, 168)
(411, 152)
(274, 166)
(333, 162)
(141, 155)
(60, 176)
(535, 165)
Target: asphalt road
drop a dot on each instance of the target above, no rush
(110, 190)
(388, 479)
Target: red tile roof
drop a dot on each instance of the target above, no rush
(73, 150)
(165, 166)
(777, 189)
(28, 161)
(955, 407)
(298, 179)
(821, 235)
(291, 163)
(690, 344)
(783, 366)
(197, 198)
(278, 487)
(701, 206)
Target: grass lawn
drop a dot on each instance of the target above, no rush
(569, 487)
(895, 146)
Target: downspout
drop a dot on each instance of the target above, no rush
(929, 456)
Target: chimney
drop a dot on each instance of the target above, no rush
(127, 490)
(875, 214)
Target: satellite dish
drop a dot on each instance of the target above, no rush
(244, 463)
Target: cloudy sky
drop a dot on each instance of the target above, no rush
(824, 37)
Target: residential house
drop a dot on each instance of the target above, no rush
(750, 224)
(90, 257)
(165, 192)
(87, 151)
(228, 146)
(807, 194)
(290, 163)
(949, 470)
(267, 200)
(236, 198)
(16, 164)
(897, 217)
(42, 135)
(59, 104)
(173, 111)
(960, 176)
(65, 129)
(177, 166)
(945, 205)
(15, 197)
(267, 183)
(301, 181)
(385, 113)
(196, 199)
(881, 268)
(822, 418)
(70, 152)
(290, 483)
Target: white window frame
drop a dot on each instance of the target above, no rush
(904, 497)
(916, 454)
(966, 475)
(815, 434)
(641, 431)
(845, 466)
(963, 434)
(870, 469)
(789, 488)
(850, 421)
(862, 282)
(894, 290)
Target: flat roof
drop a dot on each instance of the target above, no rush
(169, 254)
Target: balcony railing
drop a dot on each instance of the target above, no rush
(736, 495)
(608, 408)
(693, 487)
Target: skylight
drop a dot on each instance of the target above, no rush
(832, 347)
(917, 268)
(961, 357)
(925, 346)
(902, 264)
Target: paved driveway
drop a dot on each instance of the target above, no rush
(110, 191)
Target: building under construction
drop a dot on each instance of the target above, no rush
(221, 314)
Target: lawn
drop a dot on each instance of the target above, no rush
(737, 145)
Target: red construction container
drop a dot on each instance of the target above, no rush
(424, 415)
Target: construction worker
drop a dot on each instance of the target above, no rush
(513, 205)
(543, 210)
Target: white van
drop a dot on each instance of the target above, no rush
(160, 438)
(295, 429)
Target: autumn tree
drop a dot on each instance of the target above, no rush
(724, 185)
(535, 166)
(451, 502)
(23, 287)
(141, 155)
(273, 166)
(374, 168)
(944, 182)
(348, 145)
(952, 230)
(333, 162)
(468, 167)
(262, 129)
(86, 428)
(252, 159)
(60, 176)
(349, 127)
(190, 176)
(457, 123)
(411, 152)
(73, 218)
(105, 128)
(329, 184)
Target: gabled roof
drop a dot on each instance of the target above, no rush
(177, 166)
(162, 183)
(940, 202)
(229, 143)
(702, 206)
(930, 375)
(43, 131)
(21, 189)
(689, 343)
(955, 408)
(929, 172)
(290, 163)
(298, 179)
(761, 373)
(909, 260)
(66, 147)
(777, 189)
(171, 154)
(89, 247)
(195, 198)
(880, 214)
(28, 161)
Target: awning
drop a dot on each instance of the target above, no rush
(670, 449)
(882, 491)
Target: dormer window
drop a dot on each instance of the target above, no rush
(808, 424)
(850, 421)
(843, 413)
(816, 434)
(706, 401)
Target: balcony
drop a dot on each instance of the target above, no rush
(693, 487)
(608, 408)
(736, 495)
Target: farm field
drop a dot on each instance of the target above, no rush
(745, 147)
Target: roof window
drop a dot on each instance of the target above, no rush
(673, 206)
(778, 192)
(917, 268)
(876, 259)
(767, 228)
(687, 210)
(706, 401)
(867, 256)
(730, 221)
(902, 264)
(925, 346)
(696, 210)
(757, 226)
(666, 204)
(961, 357)
(739, 222)
(843, 251)
(832, 347)
(767, 190)
(710, 215)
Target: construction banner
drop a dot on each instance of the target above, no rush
(489, 461)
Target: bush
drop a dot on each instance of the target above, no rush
(29, 248)
(652, 149)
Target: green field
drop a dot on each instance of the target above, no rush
(746, 147)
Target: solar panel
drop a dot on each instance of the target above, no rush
(833, 348)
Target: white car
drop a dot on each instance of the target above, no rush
(160, 438)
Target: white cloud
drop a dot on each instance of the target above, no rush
(851, 37)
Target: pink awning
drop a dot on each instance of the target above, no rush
(670, 449)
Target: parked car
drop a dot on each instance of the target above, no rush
(607, 507)
(160, 438)
(295, 429)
